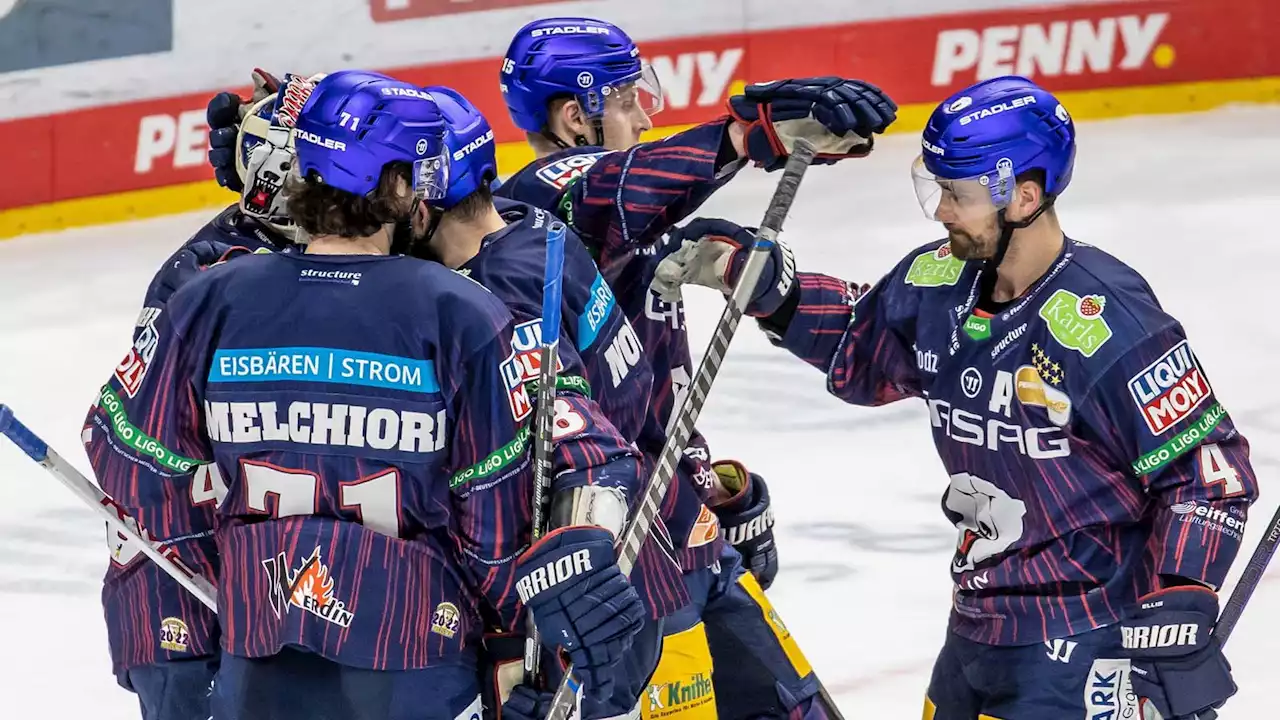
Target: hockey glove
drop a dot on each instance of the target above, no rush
(187, 263)
(1178, 666)
(838, 116)
(712, 253)
(526, 703)
(581, 602)
(747, 519)
(224, 113)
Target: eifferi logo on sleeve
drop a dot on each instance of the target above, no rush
(1168, 390)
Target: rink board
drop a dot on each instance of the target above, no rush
(146, 156)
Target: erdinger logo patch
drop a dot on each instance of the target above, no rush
(309, 588)
(1168, 390)
(561, 173)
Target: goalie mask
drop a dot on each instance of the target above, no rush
(266, 155)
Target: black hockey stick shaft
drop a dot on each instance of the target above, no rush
(1249, 579)
(637, 529)
(544, 420)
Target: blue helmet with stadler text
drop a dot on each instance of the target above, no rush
(469, 142)
(581, 58)
(355, 123)
(979, 140)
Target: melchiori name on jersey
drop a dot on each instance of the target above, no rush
(1170, 388)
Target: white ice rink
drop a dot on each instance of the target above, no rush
(1191, 201)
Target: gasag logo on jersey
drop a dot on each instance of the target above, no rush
(997, 433)
(1168, 390)
(308, 588)
(1210, 518)
(133, 368)
(600, 304)
(561, 173)
(936, 268)
(526, 362)
(321, 423)
(1076, 322)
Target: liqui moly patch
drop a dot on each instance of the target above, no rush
(1168, 390)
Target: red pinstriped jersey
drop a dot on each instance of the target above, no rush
(369, 485)
(1088, 454)
(621, 203)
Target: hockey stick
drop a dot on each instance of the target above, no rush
(544, 421)
(637, 529)
(115, 515)
(1249, 580)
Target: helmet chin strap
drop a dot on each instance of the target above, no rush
(1007, 227)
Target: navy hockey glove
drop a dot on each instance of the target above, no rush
(224, 113)
(1178, 666)
(747, 519)
(712, 253)
(837, 115)
(581, 602)
(526, 703)
(187, 263)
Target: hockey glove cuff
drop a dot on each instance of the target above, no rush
(837, 115)
(747, 519)
(581, 602)
(712, 253)
(1178, 666)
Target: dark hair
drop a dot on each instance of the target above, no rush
(321, 209)
(473, 206)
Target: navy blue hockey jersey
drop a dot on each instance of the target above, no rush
(1087, 452)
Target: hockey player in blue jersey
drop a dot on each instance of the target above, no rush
(420, 494)
(171, 675)
(578, 89)
(501, 244)
(1098, 487)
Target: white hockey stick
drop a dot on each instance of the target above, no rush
(160, 553)
(634, 535)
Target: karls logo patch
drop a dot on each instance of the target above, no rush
(1168, 390)
(1076, 322)
(133, 368)
(309, 588)
(561, 173)
(935, 269)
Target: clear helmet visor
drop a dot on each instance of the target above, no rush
(638, 93)
(431, 176)
(952, 200)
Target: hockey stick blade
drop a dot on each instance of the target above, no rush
(159, 552)
(544, 422)
(637, 529)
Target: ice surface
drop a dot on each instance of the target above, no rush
(1190, 201)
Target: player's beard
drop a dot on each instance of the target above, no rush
(967, 246)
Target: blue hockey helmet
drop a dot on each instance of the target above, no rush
(588, 60)
(980, 139)
(355, 123)
(469, 142)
